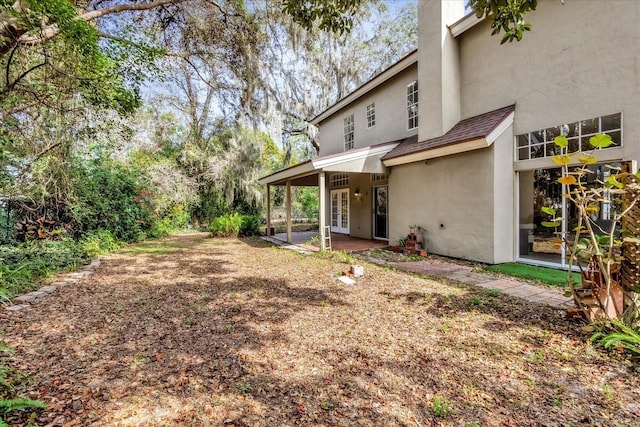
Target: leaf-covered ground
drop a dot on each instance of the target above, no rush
(199, 331)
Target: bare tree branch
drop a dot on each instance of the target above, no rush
(13, 34)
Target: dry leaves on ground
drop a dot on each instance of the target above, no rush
(200, 331)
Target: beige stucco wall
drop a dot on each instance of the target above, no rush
(581, 60)
(438, 67)
(504, 204)
(455, 191)
(360, 208)
(391, 116)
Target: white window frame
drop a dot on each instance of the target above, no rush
(371, 115)
(412, 105)
(546, 140)
(349, 131)
(339, 180)
(375, 177)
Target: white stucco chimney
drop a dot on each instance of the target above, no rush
(438, 67)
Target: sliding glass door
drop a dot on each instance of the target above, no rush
(538, 188)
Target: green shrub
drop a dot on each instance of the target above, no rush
(114, 197)
(619, 336)
(98, 242)
(226, 225)
(180, 217)
(250, 225)
(24, 263)
(308, 199)
(161, 228)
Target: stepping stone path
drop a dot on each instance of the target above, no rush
(27, 300)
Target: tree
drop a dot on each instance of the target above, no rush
(310, 70)
(328, 15)
(505, 15)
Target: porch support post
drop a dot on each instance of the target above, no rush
(288, 211)
(268, 230)
(322, 211)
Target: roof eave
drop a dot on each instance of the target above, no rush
(431, 153)
(329, 163)
(468, 21)
(476, 143)
(290, 172)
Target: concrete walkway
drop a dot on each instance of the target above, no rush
(553, 297)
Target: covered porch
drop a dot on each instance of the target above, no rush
(346, 208)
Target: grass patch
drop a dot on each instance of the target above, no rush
(550, 276)
(147, 250)
(151, 247)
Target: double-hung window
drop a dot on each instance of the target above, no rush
(348, 132)
(371, 115)
(412, 105)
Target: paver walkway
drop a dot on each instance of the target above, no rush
(463, 273)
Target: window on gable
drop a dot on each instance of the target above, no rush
(371, 115)
(412, 105)
(540, 143)
(348, 132)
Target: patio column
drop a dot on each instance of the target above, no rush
(268, 230)
(322, 213)
(288, 211)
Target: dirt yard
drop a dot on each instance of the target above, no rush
(197, 331)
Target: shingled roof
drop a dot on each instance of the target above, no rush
(466, 130)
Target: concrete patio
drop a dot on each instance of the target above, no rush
(339, 242)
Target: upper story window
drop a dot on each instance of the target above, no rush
(371, 115)
(339, 180)
(348, 132)
(378, 177)
(412, 105)
(540, 143)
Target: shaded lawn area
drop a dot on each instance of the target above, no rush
(199, 331)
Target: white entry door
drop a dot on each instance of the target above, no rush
(340, 211)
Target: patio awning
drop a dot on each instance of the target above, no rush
(359, 160)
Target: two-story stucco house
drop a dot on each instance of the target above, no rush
(457, 137)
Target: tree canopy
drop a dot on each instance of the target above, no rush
(208, 94)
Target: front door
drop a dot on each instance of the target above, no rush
(380, 213)
(340, 211)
